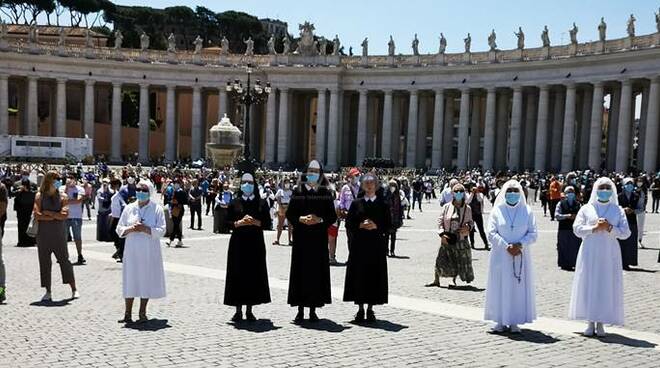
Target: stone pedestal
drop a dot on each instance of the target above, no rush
(171, 58)
(467, 58)
(629, 43)
(492, 56)
(282, 60)
(144, 57)
(545, 52)
(416, 60)
(61, 51)
(656, 42)
(440, 59)
(222, 60)
(89, 53)
(118, 55)
(572, 49)
(4, 45)
(517, 54)
(391, 61)
(33, 48)
(197, 59)
(364, 61)
(332, 60)
(599, 47)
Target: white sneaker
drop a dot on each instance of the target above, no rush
(590, 330)
(514, 329)
(498, 328)
(600, 330)
(75, 295)
(47, 297)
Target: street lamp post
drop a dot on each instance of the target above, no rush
(248, 96)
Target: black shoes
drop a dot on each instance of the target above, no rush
(81, 261)
(250, 317)
(359, 317)
(299, 317)
(313, 317)
(238, 316)
(371, 317)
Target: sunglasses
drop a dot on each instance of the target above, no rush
(141, 190)
(459, 191)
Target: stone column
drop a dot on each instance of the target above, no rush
(115, 150)
(411, 134)
(463, 128)
(448, 132)
(438, 127)
(568, 136)
(527, 159)
(271, 127)
(386, 147)
(542, 128)
(557, 126)
(4, 104)
(475, 131)
(32, 107)
(321, 126)
(624, 128)
(489, 129)
(596, 126)
(196, 124)
(333, 130)
(585, 125)
(283, 131)
(612, 126)
(170, 123)
(88, 117)
(60, 113)
(514, 132)
(143, 151)
(501, 129)
(651, 144)
(222, 103)
(361, 150)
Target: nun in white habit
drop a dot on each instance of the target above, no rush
(142, 223)
(597, 294)
(511, 230)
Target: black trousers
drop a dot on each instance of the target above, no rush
(417, 197)
(392, 238)
(553, 207)
(479, 221)
(196, 209)
(176, 228)
(119, 242)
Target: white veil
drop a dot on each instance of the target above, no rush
(152, 189)
(501, 200)
(593, 200)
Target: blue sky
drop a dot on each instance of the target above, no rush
(353, 20)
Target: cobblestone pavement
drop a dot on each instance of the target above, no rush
(433, 327)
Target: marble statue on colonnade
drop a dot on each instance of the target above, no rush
(249, 46)
(602, 29)
(89, 42)
(144, 41)
(271, 45)
(443, 44)
(33, 34)
(365, 47)
(199, 43)
(573, 34)
(657, 20)
(468, 43)
(336, 45)
(415, 45)
(492, 37)
(521, 38)
(287, 45)
(631, 26)
(61, 40)
(3, 35)
(224, 46)
(306, 46)
(545, 37)
(323, 46)
(391, 47)
(119, 39)
(171, 43)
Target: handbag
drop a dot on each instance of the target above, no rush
(33, 228)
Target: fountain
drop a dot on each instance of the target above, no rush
(224, 144)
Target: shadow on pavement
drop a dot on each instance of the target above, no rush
(258, 326)
(322, 325)
(381, 325)
(611, 338)
(59, 303)
(464, 288)
(533, 336)
(641, 270)
(338, 264)
(398, 257)
(153, 324)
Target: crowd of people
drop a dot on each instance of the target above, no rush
(600, 225)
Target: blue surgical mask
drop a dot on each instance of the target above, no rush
(459, 196)
(313, 178)
(604, 195)
(142, 196)
(57, 184)
(247, 188)
(512, 198)
(570, 196)
(629, 187)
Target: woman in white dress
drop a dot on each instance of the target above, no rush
(597, 294)
(142, 224)
(511, 230)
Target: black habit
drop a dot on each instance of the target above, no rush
(309, 280)
(247, 275)
(629, 246)
(23, 205)
(366, 272)
(568, 244)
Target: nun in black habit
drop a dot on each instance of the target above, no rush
(247, 275)
(311, 211)
(368, 221)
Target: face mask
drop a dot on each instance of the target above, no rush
(142, 196)
(312, 178)
(286, 186)
(604, 195)
(392, 189)
(459, 196)
(629, 187)
(570, 196)
(247, 188)
(57, 184)
(512, 198)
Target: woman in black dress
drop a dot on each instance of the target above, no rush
(311, 211)
(247, 274)
(23, 205)
(369, 221)
(568, 244)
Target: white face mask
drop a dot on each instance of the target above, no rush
(130, 180)
(286, 186)
(392, 189)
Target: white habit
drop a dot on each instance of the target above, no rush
(508, 300)
(143, 273)
(597, 294)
